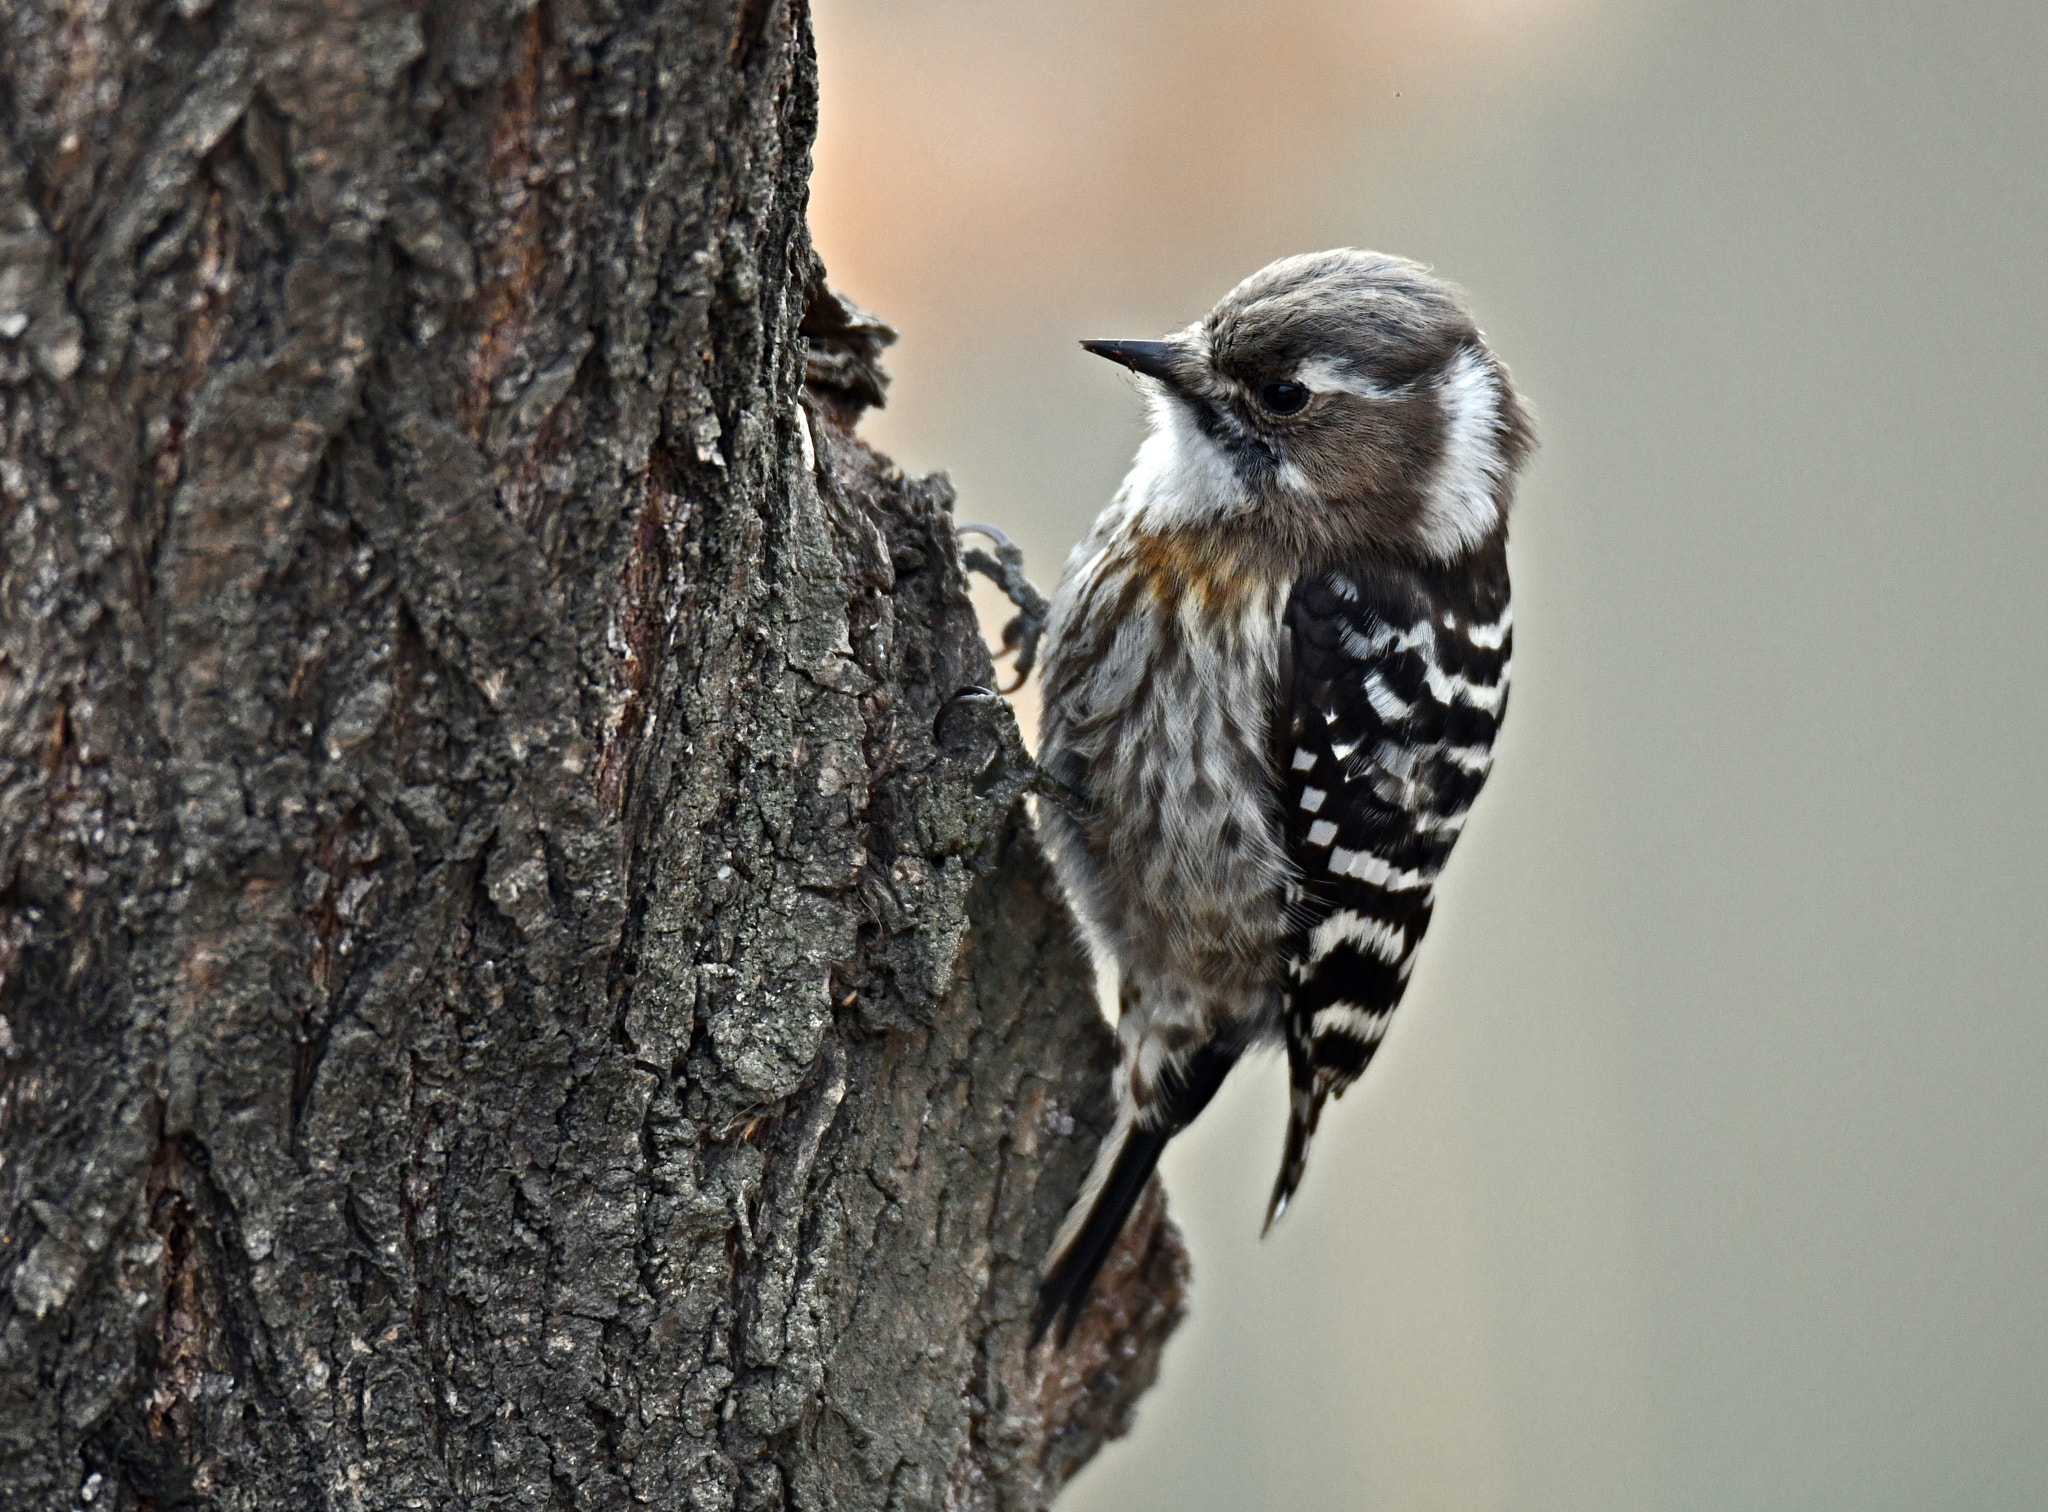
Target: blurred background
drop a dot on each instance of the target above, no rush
(1707, 1164)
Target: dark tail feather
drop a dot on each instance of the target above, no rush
(1064, 1291)
(1304, 1111)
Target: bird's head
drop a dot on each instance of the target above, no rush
(1339, 399)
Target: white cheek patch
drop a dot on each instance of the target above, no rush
(1182, 477)
(1458, 507)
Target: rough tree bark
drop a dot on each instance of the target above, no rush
(510, 991)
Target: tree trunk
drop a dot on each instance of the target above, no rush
(515, 988)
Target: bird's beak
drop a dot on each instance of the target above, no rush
(1155, 359)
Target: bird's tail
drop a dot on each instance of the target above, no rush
(1302, 1117)
(1304, 1112)
(1079, 1250)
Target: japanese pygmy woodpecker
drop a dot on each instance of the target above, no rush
(1273, 675)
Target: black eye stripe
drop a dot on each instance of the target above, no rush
(1254, 459)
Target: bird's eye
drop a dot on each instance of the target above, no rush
(1282, 397)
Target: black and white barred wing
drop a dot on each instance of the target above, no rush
(1397, 685)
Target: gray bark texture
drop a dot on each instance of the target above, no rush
(516, 988)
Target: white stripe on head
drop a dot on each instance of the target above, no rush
(1333, 375)
(1458, 507)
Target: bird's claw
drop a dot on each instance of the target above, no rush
(976, 715)
(1006, 570)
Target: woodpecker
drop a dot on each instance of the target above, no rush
(1273, 674)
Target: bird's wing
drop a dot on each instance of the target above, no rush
(1393, 689)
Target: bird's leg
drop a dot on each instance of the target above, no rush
(1006, 570)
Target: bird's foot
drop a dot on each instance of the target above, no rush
(979, 720)
(1065, 796)
(1006, 570)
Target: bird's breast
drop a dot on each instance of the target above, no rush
(1164, 627)
(1160, 696)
